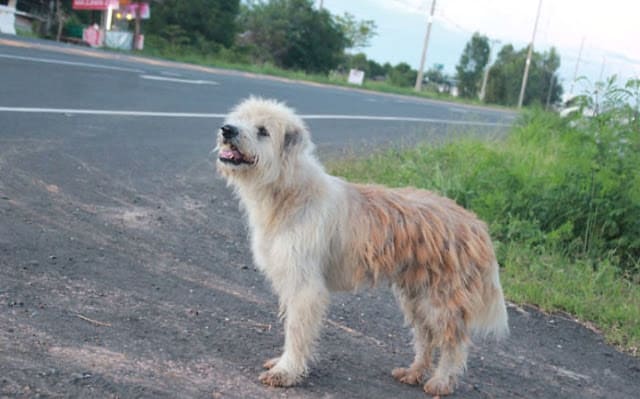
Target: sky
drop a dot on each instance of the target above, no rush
(611, 31)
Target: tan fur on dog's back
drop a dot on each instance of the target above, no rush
(424, 242)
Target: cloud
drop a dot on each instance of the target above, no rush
(610, 29)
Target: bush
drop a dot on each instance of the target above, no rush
(562, 199)
(571, 185)
(293, 34)
(402, 75)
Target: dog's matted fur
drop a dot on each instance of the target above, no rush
(313, 233)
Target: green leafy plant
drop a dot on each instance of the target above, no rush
(565, 192)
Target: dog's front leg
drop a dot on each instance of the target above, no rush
(304, 307)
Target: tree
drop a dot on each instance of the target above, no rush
(204, 22)
(473, 60)
(550, 85)
(402, 75)
(435, 74)
(505, 77)
(294, 35)
(376, 70)
(357, 33)
(358, 61)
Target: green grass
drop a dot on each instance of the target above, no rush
(26, 33)
(562, 205)
(593, 292)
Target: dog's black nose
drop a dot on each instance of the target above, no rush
(229, 131)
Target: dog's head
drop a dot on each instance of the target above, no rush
(259, 140)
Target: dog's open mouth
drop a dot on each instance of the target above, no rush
(232, 155)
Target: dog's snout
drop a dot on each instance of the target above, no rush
(229, 131)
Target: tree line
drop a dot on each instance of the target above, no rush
(295, 35)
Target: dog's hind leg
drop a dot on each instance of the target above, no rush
(304, 311)
(454, 340)
(422, 339)
(422, 361)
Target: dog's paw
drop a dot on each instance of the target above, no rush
(279, 378)
(439, 386)
(407, 375)
(270, 363)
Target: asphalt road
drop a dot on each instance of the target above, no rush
(124, 265)
(83, 79)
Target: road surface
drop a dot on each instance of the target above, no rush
(124, 265)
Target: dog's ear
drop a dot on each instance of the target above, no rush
(291, 138)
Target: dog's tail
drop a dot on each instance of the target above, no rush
(492, 319)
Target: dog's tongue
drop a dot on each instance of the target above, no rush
(230, 154)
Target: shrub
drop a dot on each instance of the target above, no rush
(571, 185)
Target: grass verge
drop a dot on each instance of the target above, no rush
(592, 291)
(550, 192)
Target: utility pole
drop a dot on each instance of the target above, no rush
(552, 82)
(528, 62)
(61, 19)
(425, 47)
(135, 43)
(49, 21)
(604, 62)
(575, 72)
(321, 4)
(483, 88)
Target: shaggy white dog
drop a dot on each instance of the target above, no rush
(312, 233)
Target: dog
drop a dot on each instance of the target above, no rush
(313, 233)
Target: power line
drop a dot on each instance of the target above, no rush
(412, 7)
(454, 23)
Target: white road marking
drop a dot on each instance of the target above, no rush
(458, 110)
(69, 111)
(169, 73)
(404, 119)
(72, 63)
(176, 80)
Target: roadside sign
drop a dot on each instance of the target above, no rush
(93, 36)
(95, 4)
(143, 8)
(356, 77)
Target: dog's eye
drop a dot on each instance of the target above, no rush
(263, 132)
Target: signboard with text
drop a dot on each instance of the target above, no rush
(95, 4)
(142, 8)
